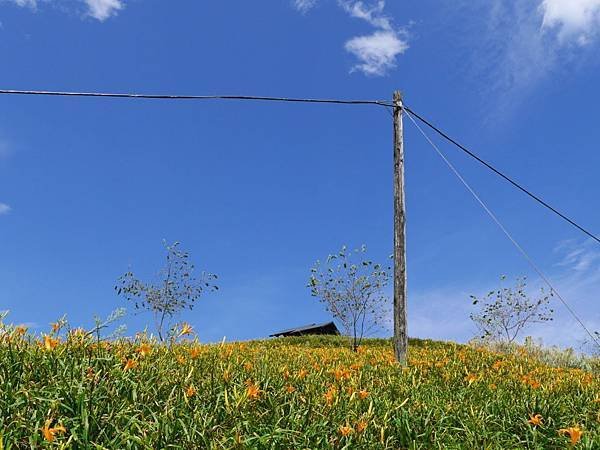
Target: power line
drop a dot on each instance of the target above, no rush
(503, 228)
(505, 177)
(195, 97)
(384, 103)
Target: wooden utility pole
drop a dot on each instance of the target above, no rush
(400, 335)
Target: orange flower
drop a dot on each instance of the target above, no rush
(144, 349)
(471, 378)
(49, 432)
(50, 343)
(20, 330)
(289, 389)
(361, 425)
(186, 329)
(130, 364)
(573, 432)
(535, 420)
(346, 431)
(301, 374)
(497, 365)
(341, 374)
(330, 395)
(252, 390)
(195, 352)
(190, 391)
(362, 394)
(248, 366)
(56, 326)
(77, 333)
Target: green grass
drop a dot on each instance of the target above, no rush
(306, 390)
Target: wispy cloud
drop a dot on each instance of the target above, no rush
(103, 9)
(574, 19)
(4, 209)
(98, 9)
(513, 47)
(29, 3)
(378, 51)
(304, 5)
(443, 312)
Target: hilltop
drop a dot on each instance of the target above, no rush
(288, 393)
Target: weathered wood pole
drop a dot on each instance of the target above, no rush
(400, 335)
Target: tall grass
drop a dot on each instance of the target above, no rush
(287, 393)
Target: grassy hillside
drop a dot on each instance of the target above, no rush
(288, 394)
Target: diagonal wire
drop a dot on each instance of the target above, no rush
(502, 175)
(504, 230)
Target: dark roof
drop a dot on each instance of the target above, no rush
(313, 328)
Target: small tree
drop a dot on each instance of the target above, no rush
(352, 289)
(176, 289)
(505, 312)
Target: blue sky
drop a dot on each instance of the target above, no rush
(258, 191)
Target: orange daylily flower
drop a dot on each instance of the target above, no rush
(50, 343)
(471, 378)
(130, 364)
(573, 432)
(535, 420)
(144, 349)
(190, 391)
(49, 432)
(341, 374)
(20, 330)
(346, 431)
(361, 425)
(330, 395)
(56, 326)
(195, 352)
(252, 390)
(186, 329)
(362, 394)
(497, 365)
(290, 389)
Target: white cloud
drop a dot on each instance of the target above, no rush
(577, 19)
(98, 9)
(373, 15)
(103, 9)
(4, 209)
(376, 52)
(304, 5)
(29, 3)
